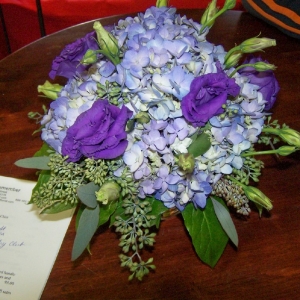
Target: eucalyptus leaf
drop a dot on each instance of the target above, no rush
(86, 194)
(208, 237)
(87, 227)
(200, 145)
(58, 207)
(225, 220)
(78, 214)
(36, 162)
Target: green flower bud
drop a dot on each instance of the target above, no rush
(257, 196)
(262, 66)
(288, 135)
(142, 117)
(286, 150)
(89, 57)
(208, 19)
(291, 136)
(232, 59)
(107, 42)
(49, 90)
(229, 4)
(161, 3)
(256, 44)
(186, 162)
(109, 191)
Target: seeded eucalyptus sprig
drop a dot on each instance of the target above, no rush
(133, 225)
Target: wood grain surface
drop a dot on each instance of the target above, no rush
(267, 263)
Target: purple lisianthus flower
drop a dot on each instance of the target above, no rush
(97, 133)
(268, 84)
(67, 64)
(207, 95)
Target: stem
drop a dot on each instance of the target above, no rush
(235, 181)
(213, 18)
(240, 67)
(270, 130)
(260, 153)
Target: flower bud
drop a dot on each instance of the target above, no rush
(257, 196)
(229, 4)
(256, 44)
(107, 42)
(291, 136)
(50, 90)
(89, 57)
(208, 19)
(232, 59)
(186, 163)
(109, 191)
(161, 3)
(286, 150)
(142, 117)
(262, 66)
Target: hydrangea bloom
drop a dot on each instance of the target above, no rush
(170, 72)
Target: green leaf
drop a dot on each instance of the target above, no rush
(158, 209)
(200, 145)
(43, 178)
(87, 227)
(78, 215)
(44, 151)
(225, 220)
(118, 212)
(58, 207)
(86, 194)
(106, 211)
(39, 162)
(208, 237)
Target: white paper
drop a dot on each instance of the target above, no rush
(29, 242)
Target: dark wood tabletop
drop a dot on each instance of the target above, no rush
(267, 262)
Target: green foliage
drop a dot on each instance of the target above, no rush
(39, 162)
(57, 207)
(270, 139)
(106, 211)
(200, 145)
(86, 194)
(251, 170)
(158, 209)
(208, 237)
(44, 151)
(43, 178)
(87, 226)
(133, 220)
(225, 220)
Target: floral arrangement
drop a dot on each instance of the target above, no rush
(155, 120)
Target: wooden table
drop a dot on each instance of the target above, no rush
(267, 263)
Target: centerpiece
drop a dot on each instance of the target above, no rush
(155, 120)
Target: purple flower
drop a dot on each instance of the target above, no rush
(97, 133)
(207, 95)
(268, 85)
(67, 64)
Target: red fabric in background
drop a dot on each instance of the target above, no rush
(22, 22)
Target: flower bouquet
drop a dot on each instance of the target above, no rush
(155, 120)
